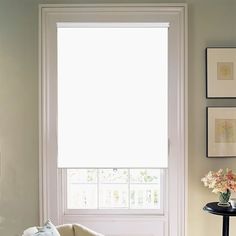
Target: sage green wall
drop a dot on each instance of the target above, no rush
(211, 23)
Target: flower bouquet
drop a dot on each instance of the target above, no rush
(222, 182)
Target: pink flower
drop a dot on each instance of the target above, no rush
(220, 181)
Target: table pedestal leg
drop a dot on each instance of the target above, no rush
(225, 231)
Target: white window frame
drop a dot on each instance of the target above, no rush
(49, 176)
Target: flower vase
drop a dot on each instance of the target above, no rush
(224, 199)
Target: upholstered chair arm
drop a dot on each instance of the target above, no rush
(81, 230)
(66, 230)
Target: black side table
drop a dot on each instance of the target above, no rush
(226, 212)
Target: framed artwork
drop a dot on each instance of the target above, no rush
(220, 72)
(221, 131)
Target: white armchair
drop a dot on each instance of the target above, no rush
(76, 230)
(60, 230)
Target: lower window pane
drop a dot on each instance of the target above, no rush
(113, 176)
(145, 176)
(113, 196)
(82, 175)
(82, 196)
(144, 196)
(113, 189)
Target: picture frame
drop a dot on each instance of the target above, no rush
(221, 132)
(221, 72)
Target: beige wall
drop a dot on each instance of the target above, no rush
(211, 23)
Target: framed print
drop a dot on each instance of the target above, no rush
(221, 131)
(220, 72)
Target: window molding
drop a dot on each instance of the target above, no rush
(49, 14)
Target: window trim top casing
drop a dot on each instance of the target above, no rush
(48, 13)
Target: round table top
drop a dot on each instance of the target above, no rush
(213, 208)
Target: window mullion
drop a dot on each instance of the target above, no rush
(98, 189)
(129, 188)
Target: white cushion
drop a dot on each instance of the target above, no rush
(47, 230)
(30, 231)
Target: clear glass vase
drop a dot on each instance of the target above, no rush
(224, 199)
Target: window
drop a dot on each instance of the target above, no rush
(107, 177)
(112, 112)
(114, 188)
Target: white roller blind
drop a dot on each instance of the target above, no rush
(112, 96)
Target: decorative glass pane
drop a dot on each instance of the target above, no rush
(113, 175)
(82, 196)
(145, 176)
(82, 175)
(113, 196)
(144, 196)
